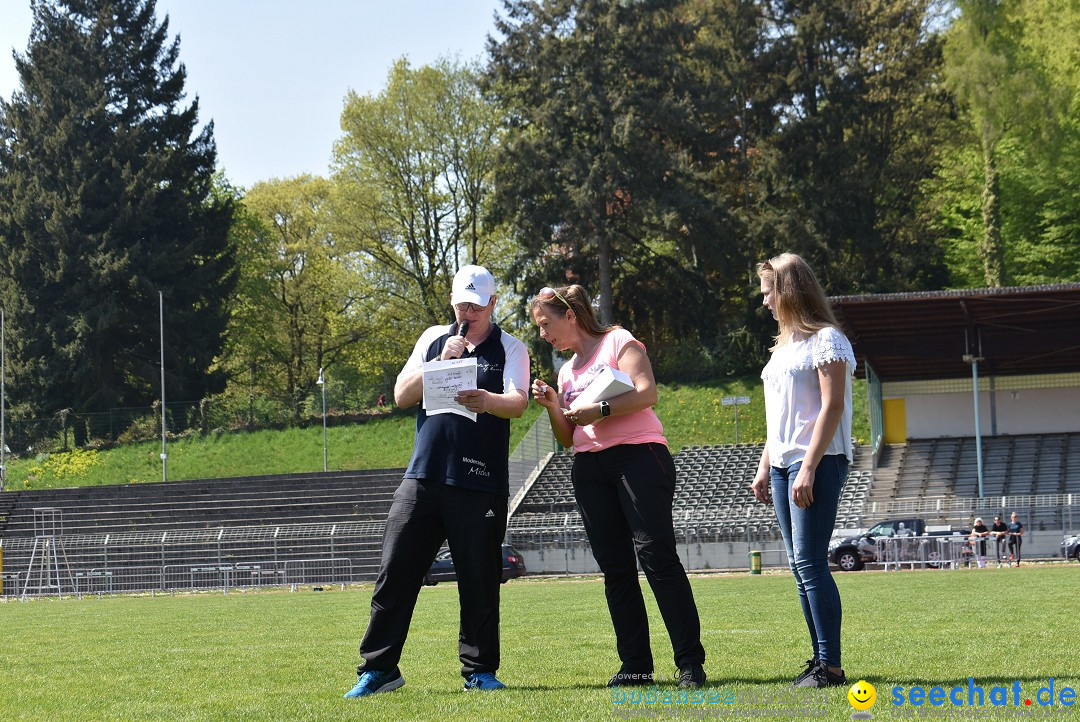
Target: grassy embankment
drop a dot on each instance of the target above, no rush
(691, 413)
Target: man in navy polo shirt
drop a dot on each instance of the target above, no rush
(455, 490)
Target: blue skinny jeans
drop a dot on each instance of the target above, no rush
(806, 535)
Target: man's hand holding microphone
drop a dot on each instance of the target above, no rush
(455, 345)
(474, 400)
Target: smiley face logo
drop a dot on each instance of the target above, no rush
(862, 695)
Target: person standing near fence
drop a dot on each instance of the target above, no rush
(455, 490)
(624, 482)
(979, 532)
(1016, 537)
(808, 447)
(1000, 531)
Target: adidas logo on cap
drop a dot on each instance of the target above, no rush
(470, 287)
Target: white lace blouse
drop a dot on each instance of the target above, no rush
(793, 396)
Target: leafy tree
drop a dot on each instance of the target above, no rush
(1007, 192)
(413, 176)
(1052, 42)
(987, 73)
(840, 177)
(300, 290)
(105, 200)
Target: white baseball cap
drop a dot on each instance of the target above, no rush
(472, 284)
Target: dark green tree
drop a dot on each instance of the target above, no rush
(612, 172)
(105, 200)
(859, 120)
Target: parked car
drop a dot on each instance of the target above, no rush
(1070, 547)
(855, 552)
(442, 569)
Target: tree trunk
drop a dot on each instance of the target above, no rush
(991, 250)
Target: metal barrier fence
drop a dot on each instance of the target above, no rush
(190, 560)
(1060, 509)
(955, 551)
(241, 557)
(187, 578)
(937, 552)
(556, 542)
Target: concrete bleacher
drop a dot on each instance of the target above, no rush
(1035, 475)
(712, 502)
(1021, 465)
(289, 528)
(713, 496)
(330, 497)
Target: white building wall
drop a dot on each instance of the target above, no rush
(1021, 405)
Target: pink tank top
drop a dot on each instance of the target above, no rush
(641, 427)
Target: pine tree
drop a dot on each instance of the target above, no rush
(105, 200)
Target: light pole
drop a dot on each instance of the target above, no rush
(161, 326)
(322, 383)
(3, 398)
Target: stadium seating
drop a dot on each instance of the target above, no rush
(713, 501)
(938, 478)
(1021, 465)
(326, 498)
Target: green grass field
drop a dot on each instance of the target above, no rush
(275, 655)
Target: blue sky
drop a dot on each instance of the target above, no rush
(273, 74)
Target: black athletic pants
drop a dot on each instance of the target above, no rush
(1015, 542)
(625, 494)
(423, 515)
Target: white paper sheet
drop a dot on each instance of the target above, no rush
(442, 382)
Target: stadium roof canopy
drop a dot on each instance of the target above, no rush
(938, 334)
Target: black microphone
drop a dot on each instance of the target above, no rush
(463, 329)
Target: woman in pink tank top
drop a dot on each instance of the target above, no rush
(624, 480)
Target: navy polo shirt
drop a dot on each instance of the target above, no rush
(456, 450)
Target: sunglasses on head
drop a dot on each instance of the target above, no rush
(547, 293)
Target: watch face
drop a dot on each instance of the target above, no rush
(605, 408)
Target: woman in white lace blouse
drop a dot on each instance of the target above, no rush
(808, 446)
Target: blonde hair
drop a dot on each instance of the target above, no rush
(573, 297)
(798, 297)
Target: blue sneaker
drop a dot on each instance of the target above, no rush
(374, 680)
(483, 680)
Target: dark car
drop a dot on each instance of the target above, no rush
(442, 569)
(855, 552)
(1070, 547)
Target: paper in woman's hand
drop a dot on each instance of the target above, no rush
(606, 385)
(442, 382)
